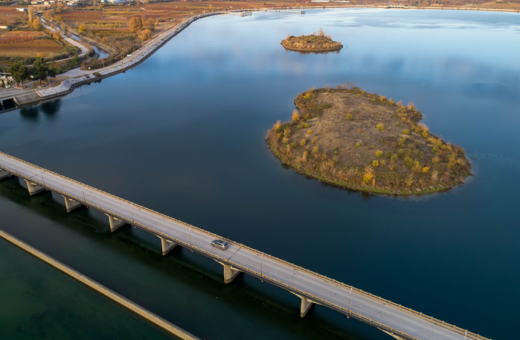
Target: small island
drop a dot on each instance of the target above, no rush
(315, 43)
(350, 138)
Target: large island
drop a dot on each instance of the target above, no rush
(362, 141)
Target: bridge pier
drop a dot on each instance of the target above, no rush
(4, 174)
(115, 223)
(71, 204)
(306, 304)
(167, 245)
(230, 273)
(34, 188)
(392, 334)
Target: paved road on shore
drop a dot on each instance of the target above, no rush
(338, 296)
(71, 41)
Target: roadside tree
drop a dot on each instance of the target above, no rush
(40, 69)
(145, 34)
(19, 72)
(75, 60)
(52, 72)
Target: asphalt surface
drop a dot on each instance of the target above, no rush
(325, 291)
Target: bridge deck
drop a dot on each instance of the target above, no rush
(353, 302)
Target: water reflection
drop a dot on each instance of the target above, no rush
(51, 108)
(29, 113)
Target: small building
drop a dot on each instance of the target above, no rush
(6, 81)
(4, 27)
(21, 9)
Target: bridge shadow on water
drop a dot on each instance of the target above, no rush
(130, 262)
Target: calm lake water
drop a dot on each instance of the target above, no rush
(183, 134)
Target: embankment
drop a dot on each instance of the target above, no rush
(177, 331)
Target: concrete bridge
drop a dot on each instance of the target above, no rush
(312, 288)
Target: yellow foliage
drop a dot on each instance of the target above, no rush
(436, 160)
(375, 164)
(380, 126)
(314, 140)
(287, 132)
(302, 142)
(379, 154)
(295, 116)
(416, 167)
(145, 34)
(288, 149)
(406, 132)
(409, 181)
(368, 174)
(277, 125)
(425, 169)
(309, 132)
(453, 161)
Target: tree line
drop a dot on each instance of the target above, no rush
(39, 71)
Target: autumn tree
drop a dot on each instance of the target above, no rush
(135, 24)
(37, 24)
(145, 34)
(150, 24)
(49, 14)
(82, 28)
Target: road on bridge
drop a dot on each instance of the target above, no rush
(383, 314)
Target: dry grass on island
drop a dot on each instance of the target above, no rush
(350, 138)
(312, 43)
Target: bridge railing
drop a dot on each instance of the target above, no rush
(440, 323)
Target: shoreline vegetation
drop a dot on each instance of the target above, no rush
(362, 141)
(313, 43)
